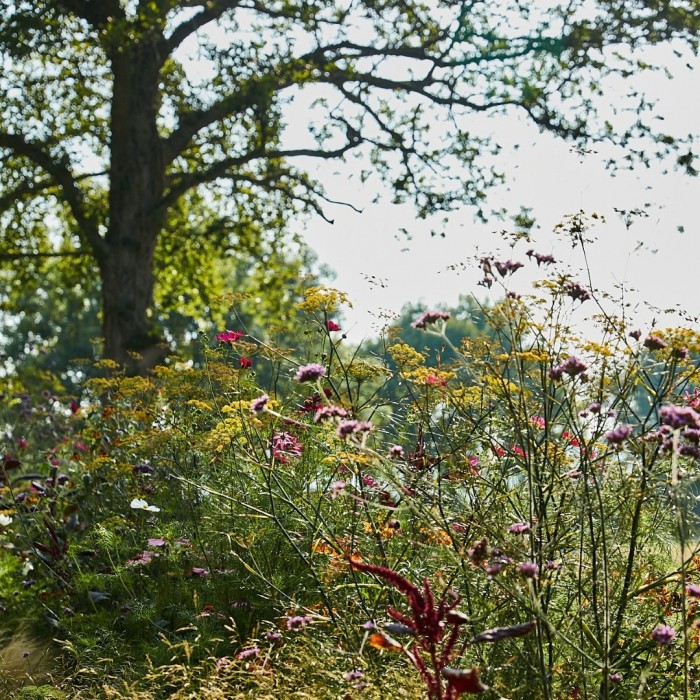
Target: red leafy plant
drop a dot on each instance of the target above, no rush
(434, 629)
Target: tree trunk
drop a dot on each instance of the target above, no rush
(137, 183)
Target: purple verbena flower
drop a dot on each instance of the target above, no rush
(325, 412)
(297, 622)
(310, 373)
(347, 428)
(507, 267)
(618, 435)
(248, 653)
(519, 528)
(429, 317)
(663, 635)
(679, 416)
(654, 342)
(528, 569)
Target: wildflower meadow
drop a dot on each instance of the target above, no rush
(518, 521)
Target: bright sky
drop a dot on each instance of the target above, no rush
(653, 258)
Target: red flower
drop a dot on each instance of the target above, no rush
(332, 326)
(245, 363)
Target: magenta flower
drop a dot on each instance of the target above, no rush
(284, 444)
(229, 337)
(519, 528)
(429, 317)
(663, 635)
(245, 363)
(329, 412)
(571, 366)
(258, 405)
(273, 637)
(619, 434)
(332, 326)
(310, 373)
(528, 569)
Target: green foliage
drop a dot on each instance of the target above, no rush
(539, 488)
(136, 164)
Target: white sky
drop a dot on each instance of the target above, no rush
(381, 271)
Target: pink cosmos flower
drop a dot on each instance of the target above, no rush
(229, 337)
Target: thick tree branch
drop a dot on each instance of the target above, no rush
(63, 177)
(224, 169)
(210, 12)
(31, 188)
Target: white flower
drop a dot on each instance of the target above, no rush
(140, 504)
(5, 520)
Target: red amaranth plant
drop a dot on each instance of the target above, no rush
(434, 628)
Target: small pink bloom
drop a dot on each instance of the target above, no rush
(229, 337)
(245, 363)
(332, 326)
(336, 488)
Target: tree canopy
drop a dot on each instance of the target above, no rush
(125, 123)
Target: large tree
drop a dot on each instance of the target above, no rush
(107, 121)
